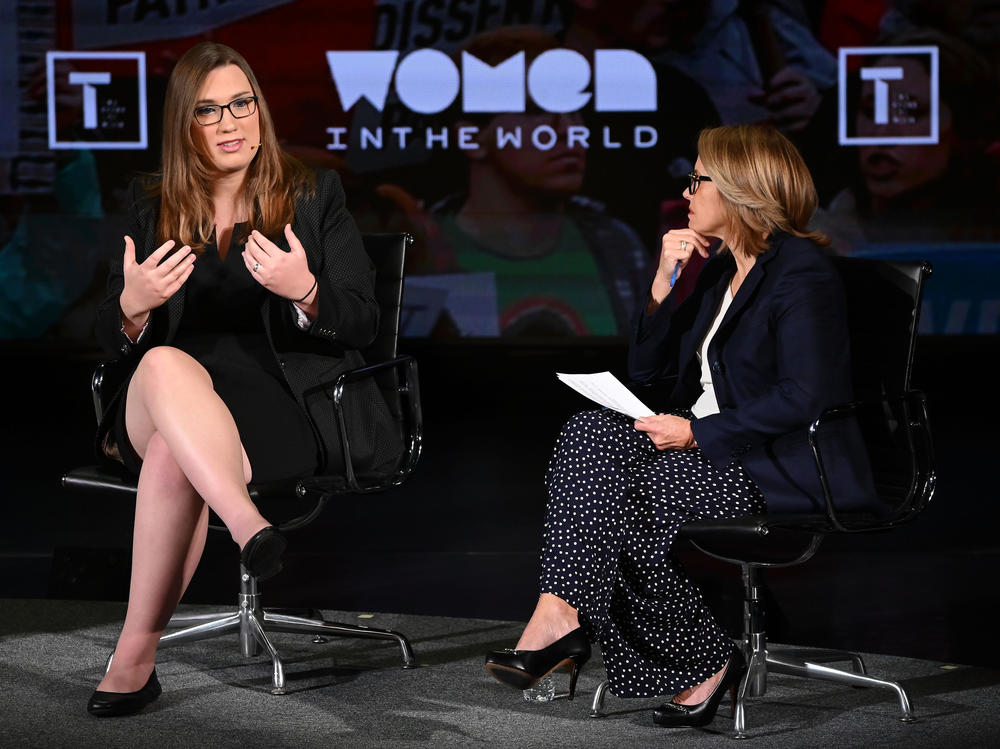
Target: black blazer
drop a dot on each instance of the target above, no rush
(779, 357)
(347, 321)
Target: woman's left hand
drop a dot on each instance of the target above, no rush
(667, 431)
(286, 274)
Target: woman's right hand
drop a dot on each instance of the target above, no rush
(675, 252)
(150, 283)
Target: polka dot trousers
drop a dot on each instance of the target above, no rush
(615, 506)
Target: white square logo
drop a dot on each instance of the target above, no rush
(887, 95)
(96, 100)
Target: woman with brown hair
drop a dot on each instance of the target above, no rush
(243, 282)
(751, 358)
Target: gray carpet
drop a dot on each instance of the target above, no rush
(352, 693)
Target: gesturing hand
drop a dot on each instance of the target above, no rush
(150, 283)
(284, 273)
(667, 431)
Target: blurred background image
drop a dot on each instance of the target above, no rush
(535, 149)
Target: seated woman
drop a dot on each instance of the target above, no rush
(757, 352)
(223, 349)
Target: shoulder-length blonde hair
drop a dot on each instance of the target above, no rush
(764, 184)
(274, 178)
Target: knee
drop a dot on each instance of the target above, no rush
(167, 365)
(159, 460)
(588, 426)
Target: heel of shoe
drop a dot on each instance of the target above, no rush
(522, 669)
(574, 673)
(261, 555)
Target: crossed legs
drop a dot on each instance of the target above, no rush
(192, 460)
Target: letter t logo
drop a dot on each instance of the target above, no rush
(868, 71)
(880, 76)
(88, 81)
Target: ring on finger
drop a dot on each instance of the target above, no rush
(256, 267)
(684, 245)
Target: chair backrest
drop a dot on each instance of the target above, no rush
(883, 300)
(883, 314)
(388, 254)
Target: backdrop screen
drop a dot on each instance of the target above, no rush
(535, 149)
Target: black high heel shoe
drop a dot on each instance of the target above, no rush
(674, 715)
(111, 704)
(522, 669)
(261, 555)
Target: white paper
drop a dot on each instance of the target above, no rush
(607, 390)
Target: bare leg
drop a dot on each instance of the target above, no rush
(552, 619)
(188, 465)
(171, 394)
(171, 524)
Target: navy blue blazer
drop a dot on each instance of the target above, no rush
(779, 357)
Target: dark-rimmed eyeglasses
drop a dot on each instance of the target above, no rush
(695, 180)
(209, 114)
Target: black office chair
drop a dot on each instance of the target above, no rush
(883, 309)
(397, 379)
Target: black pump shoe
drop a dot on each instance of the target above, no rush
(522, 669)
(674, 715)
(262, 553)
(110, 704)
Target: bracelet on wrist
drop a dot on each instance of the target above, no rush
(306, 295)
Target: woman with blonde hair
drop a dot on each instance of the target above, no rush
(751, 358)
(242, 283)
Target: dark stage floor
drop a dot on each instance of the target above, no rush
(461, 538)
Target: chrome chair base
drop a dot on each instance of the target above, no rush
(252, 623)
(807, 663)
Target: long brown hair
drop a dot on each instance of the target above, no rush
(764, 184)
(274, 178)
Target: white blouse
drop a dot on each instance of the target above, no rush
(706, 405)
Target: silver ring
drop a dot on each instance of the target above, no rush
(684, 245)
(256, 267)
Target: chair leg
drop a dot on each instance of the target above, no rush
(281, 622)
(597, 705)
(794, 662)
(278, 668)
(252, 623)
(826, 656)
(739, 711)
(178, 620)
(211, 628)
(782, 664)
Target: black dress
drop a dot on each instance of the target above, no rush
(223, 330)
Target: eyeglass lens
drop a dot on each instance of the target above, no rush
(696, 180)
(212, 113)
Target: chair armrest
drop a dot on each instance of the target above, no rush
(105, 381)
(906, 412)
(409, 389)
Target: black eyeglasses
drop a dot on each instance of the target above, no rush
(209, 114)
(695, 180)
